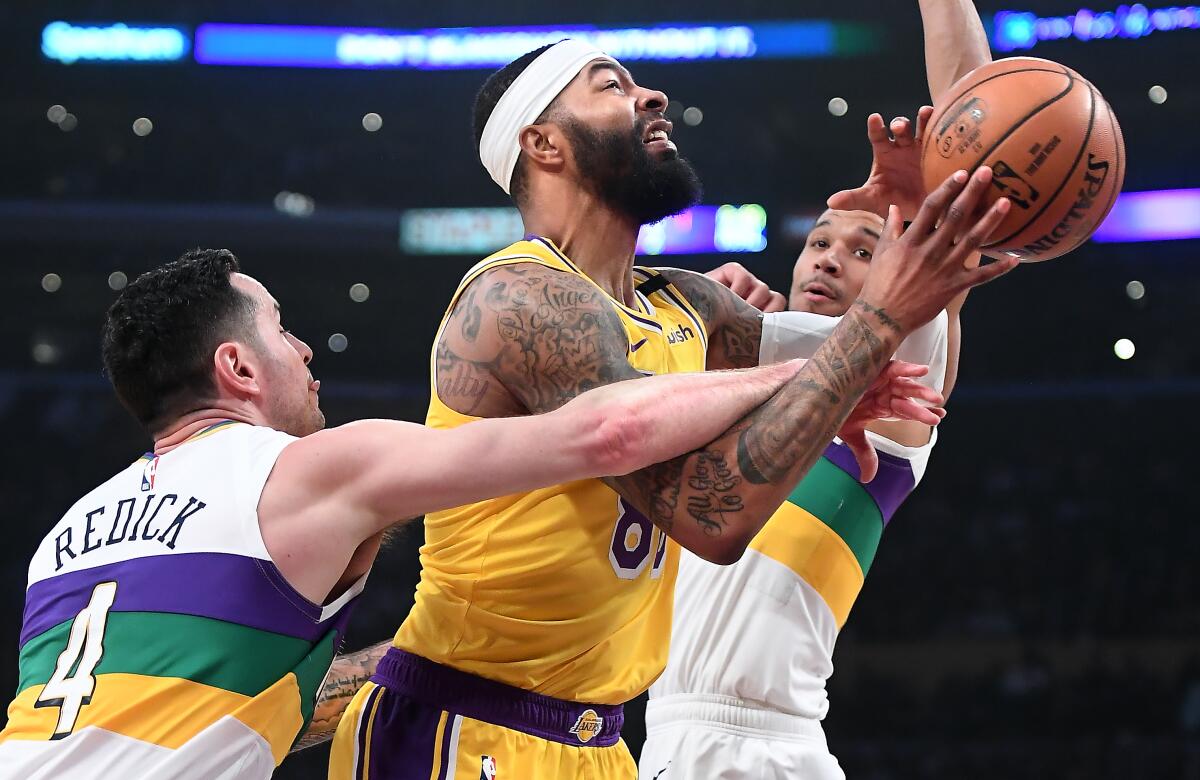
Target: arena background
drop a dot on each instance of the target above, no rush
(1035, 608)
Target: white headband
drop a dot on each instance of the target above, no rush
(525, 100)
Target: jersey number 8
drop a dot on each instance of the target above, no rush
(85, 647)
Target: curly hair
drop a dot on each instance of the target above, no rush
(485, 103)
(160, 334)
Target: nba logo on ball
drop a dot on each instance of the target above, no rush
(488, 769)
(587, 725)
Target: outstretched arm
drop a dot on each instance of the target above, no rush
(955, 42)
(333, 490)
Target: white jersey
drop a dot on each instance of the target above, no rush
(159, 638)
(761, 633)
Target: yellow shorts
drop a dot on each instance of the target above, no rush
(421, 721)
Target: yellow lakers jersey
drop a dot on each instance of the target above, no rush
(565, 591)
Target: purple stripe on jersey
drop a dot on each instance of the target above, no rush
(403, 736)
(447, 736)
(891, 485)
(440, 687)
(233, 588)
(364, 726)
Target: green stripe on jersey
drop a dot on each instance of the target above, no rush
(842, 503)
(162, 644)
(310, 673)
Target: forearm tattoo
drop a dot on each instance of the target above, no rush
(543, 337)
(346, 676)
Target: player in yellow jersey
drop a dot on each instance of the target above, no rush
(540, 613)
(180, 617)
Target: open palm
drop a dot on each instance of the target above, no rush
(895, 169)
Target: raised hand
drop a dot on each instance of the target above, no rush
(895, 176)
(748, 287)
(894, 395)
(916, 272)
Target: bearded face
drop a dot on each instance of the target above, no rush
(619, 168)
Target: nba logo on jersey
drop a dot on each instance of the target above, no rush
(488, 770)
(587, 725)
(148, 474)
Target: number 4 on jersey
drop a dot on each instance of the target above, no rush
(85, 647)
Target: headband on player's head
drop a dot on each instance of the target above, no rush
(525, 100)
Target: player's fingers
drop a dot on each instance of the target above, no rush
(957, 215)
(923, 116)
(935, 204)
(986, 273)
(979, 233)
(777, 303)
(857, 199)
(864, 453)
(902, 131)
(908, 388)
(760, 295)
(720, 274)
(901, 368)
(910, 410)
(877, 131)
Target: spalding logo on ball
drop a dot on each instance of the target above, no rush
(1052, 142)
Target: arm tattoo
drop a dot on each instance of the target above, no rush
(557, 335)
(734, 326)
(748, 472)
(777, 438)
(346, 676)
(714, 483)
(461, 383)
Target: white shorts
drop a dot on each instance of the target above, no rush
(697, 737)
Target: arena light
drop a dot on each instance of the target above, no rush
(1155, 215)
(68, 43)
(492, 47)
(473, 231)
(1013, 30)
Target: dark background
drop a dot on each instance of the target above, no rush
(1035, 609)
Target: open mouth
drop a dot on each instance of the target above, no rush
(818, 291)
(658, 132)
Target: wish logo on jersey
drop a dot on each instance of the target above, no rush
(488, 770)
(587, 725)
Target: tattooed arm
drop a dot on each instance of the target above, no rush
(346, 676)
(541, 337)
(734, 326)
(544, 336)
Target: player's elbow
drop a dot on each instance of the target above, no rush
(723, 552)
(615, 441)
(728, 546)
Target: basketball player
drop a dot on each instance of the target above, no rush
(539, 614)
(743, 694)
(181, 616)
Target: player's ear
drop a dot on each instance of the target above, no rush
(542, 145)
(235, 370)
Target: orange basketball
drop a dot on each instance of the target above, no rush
(1051, 140)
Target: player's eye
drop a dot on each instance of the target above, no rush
(820, 243)
(863, 253)
(612, 85)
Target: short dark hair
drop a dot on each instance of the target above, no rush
(160, 334)
(485, 102)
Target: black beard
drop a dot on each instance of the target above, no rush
(617, 168)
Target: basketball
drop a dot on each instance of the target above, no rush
(1053, 144)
